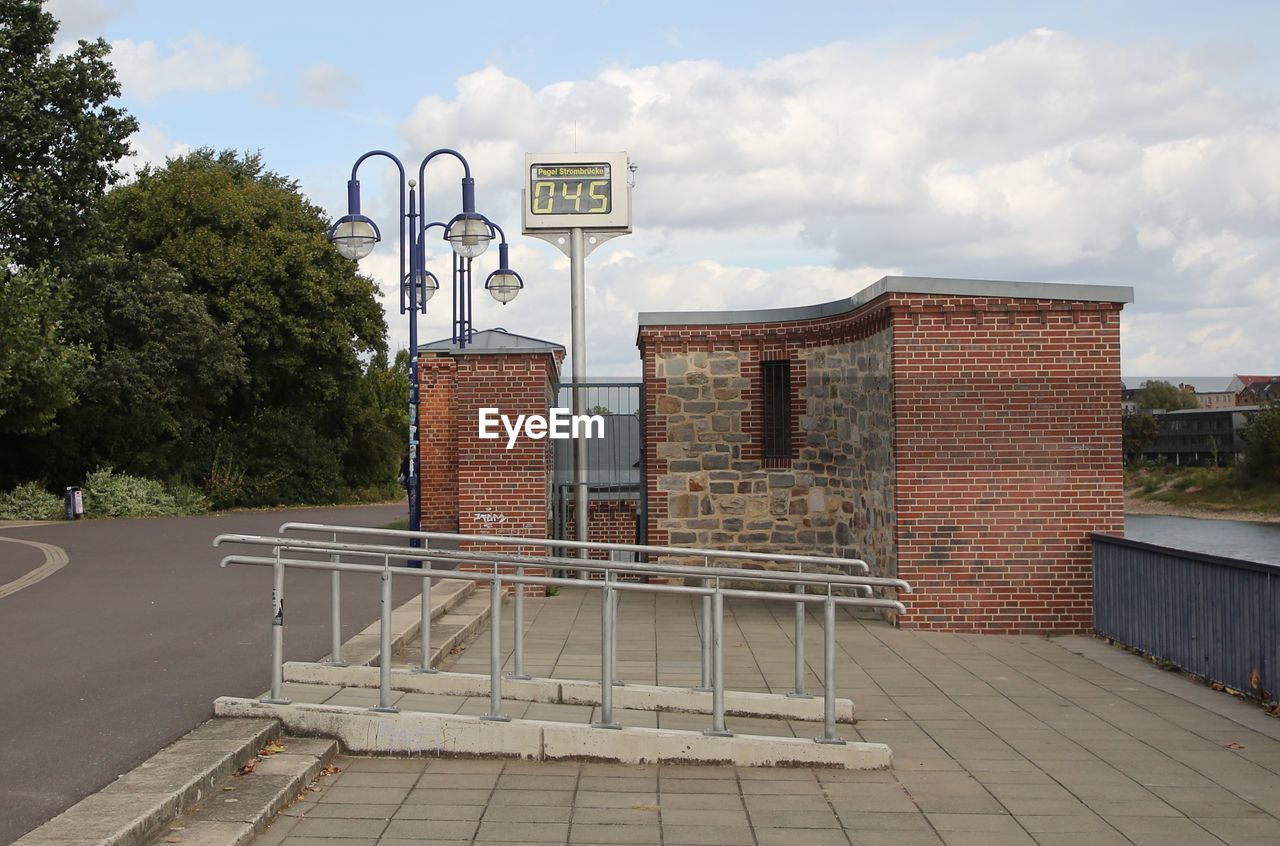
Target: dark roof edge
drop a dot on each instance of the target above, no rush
(895, 285)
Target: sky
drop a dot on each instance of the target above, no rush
(782, 158)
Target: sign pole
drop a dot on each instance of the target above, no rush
(578, 340)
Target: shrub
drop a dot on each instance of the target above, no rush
(188, 499)
(110, 494)
(30, 501)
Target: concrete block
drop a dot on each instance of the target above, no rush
(441, 684)
(410, 732)
(640, 697)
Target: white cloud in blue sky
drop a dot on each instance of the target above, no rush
(781, 161)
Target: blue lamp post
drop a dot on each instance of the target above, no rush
(468, 233)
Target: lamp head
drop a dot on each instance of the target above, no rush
(468, 234)
(504, 283)
(354, 234)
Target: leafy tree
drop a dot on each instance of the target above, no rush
(164, 368)
(59, 140)
(1262, 445)
(248, 244)
(59, 145)
(1157, 394)
(38, 374)
(382, 420)
(1139, 432)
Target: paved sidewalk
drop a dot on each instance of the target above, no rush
(996, 740)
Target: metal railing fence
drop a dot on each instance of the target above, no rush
(1216, 617)
(632, 552)
(711, 590)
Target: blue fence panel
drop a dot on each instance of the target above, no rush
(1216, 617)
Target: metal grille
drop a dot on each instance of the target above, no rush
(614, 470)
(776, 407)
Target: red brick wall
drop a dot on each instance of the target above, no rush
(608, 521)
(495, 491)
(1007, 444)
(438, 446)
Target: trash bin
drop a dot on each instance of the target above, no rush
(73, 500)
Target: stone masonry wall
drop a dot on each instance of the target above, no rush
(708, 485)
(846, 456)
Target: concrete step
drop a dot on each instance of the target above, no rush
(245, 804)
(135, 808)
(447, 594)
(447, 631)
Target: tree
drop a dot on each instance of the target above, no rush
(1140, 431)
(254, 251)
(59, 140)
(1262, 445)
(38, 374)
(163, 368)
(1165, 395)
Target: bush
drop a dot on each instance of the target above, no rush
(189, 499)
(110, 494)
(1262, 446)
(29, 501)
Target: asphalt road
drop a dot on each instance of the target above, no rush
(124, 649)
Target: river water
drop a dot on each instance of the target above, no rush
(1228, 538)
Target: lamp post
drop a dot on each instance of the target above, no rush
(468, 233)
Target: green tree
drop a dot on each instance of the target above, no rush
(38, 374)
(1262, 445)
(1164, 395)
(248, 244)
(59, 146)
(59, 140)
(1140, 431)
(164, 369)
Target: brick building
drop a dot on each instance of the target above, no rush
(961, 434)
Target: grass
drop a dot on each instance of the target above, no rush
(1205, 488)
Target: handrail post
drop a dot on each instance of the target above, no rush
(276, 697)
(705, 631)
(517, 620)
(829, 673)
(384, 645)
(335, 607)
(801, 669)
(424, 627)
(718, 728)
(613, 639)
(606, 655)
(495, 650)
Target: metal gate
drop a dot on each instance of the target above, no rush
(615, 464)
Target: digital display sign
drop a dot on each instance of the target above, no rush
(565, 191)
(571, 188)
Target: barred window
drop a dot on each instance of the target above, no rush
(776, 406)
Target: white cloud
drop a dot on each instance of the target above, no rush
(196, 63)
(150, 145)
(1045, 157)
(328, 86)
(82, 19)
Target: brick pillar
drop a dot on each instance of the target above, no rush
(438, 448)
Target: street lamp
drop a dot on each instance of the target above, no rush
(468, 234)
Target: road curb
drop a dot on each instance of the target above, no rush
(135, 808)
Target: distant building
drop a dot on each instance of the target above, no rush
(1211, 391)
(1259, 392)
(1200, 435)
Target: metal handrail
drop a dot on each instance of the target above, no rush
(712, 634)
(552, 543)
(680, 570)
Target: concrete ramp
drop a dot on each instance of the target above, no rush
(363, 731)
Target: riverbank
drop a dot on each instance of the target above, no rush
(1137, 504)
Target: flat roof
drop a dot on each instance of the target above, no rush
(896, 285)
